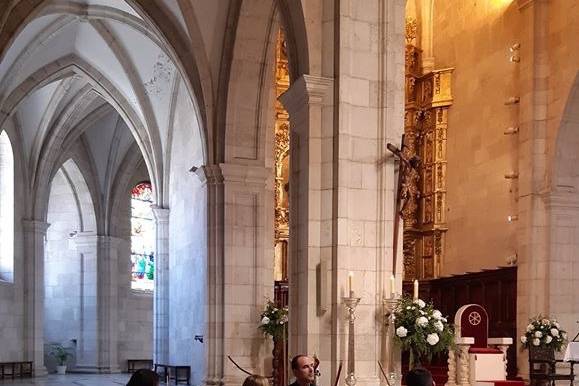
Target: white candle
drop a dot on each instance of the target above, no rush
(392, 286)
(350, 276)
(415, 289)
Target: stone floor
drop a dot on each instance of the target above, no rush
(70, 380)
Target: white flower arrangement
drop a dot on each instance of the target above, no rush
(421, 329)
(273, 319)
(544, 332)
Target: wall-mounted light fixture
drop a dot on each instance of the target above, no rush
(513, 100)
(511, 175)
(512, 218)
(515, 53)
(511, 130)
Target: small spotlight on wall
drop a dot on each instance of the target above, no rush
(512, 218)
(512, 100)
(515, 53)
(511, 175)
(511, 130)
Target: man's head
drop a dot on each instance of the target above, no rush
(419, 377)
(303, 369)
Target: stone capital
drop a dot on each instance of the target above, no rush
(307, 90)
(84, 242)
(35, 226)
(253, 175)
(161, 214)
(208, 174)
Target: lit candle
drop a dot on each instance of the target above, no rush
(392, 286)
(350, 276)
(415, 289)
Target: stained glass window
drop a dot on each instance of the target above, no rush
(142, 238)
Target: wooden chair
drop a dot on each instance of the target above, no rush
(543, 367)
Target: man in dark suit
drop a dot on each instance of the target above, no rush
(304, 369)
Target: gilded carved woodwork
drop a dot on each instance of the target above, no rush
(281, 158)
(428, 97)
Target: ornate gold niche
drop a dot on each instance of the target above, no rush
(428, 98)
(281, 155)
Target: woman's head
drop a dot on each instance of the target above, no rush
(255, 380)
(144, 377)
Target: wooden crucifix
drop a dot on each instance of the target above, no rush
(408, 166)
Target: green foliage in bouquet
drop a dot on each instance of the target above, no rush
(421, 329)
(543, 332)
(273, 320)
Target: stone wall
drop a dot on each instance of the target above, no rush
(63, 268)
(474, 38)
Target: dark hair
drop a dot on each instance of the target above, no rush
(256, 380)
(295, 360)
(419, 377)
(144, 377)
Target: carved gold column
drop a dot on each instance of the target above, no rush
(281, 155)
(428, 98)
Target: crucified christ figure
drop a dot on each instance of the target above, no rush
(407, 192)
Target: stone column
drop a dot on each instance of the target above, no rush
(211, 177)
(240, 270)
(305, 102)
(463, 361)
(86, 243)
(108, 304)
(451, 368)
(503, 345)
(532, 225)
(161, 300)
(34, 240)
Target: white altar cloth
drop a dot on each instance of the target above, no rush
(572, 352)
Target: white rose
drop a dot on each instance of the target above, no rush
(401, 332)
(554, 332)
(536, 342)
(523, 339)
(436, 314)
(432, 339)
(407, 307)
(548, 339)
(530, 328)
(422, 321)
(538, 334)
(420, 303)
(438, 325)
(264, 321)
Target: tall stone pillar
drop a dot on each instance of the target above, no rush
(212, 178)
(161, 300)
(241, 275)
(108, 304)
(34, 240)
(310, 208)
(86, 243)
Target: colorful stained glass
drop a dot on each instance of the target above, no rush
(142, 238)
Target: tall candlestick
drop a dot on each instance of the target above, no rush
(392, 286)
(415, 289)
(350, 276)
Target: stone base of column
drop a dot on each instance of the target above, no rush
(40, 371)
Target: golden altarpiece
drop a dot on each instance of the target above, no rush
(428, 98)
